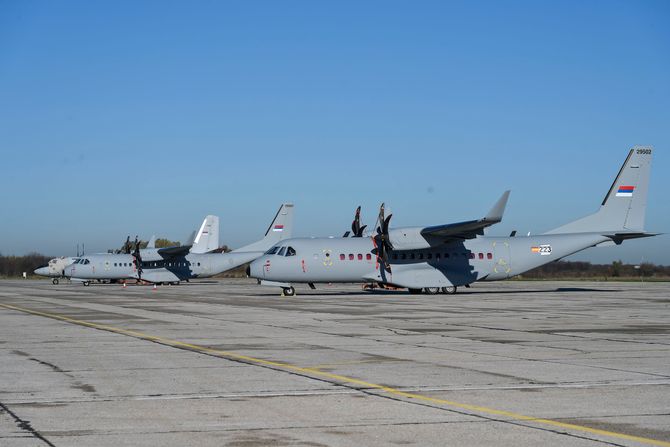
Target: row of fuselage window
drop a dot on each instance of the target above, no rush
(419, 256)
(149, 264)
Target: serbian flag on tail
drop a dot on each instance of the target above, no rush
(625, 191)
(278, 228)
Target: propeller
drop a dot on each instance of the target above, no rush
(126, 246)
(356, 228)
(138, 258)
(382, 240)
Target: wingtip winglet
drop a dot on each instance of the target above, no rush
(496, 213)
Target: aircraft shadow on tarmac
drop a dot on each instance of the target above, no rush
(460, 293)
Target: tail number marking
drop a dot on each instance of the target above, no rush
(543, 250)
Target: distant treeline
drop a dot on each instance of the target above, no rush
(586, 270)
(16, 265)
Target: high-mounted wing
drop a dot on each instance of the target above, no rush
(174, 252)
(471, 228)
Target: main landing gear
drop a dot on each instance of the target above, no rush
(288, 291)
(451, 290)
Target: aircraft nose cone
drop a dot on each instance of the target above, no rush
(42, 271)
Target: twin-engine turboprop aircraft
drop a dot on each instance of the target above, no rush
(174, 264)
(206, 239)
(444, 257)
(55, 269)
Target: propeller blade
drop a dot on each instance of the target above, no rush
(387, 239)
(138, 258)
(381, 216)
(356, 224)
(382, 240)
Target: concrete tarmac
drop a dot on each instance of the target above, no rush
(230, 363)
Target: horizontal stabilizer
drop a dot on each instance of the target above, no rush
(620, 237)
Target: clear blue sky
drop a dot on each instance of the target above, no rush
(132, 117)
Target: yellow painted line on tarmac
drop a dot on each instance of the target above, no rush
(352, 362)
(342, 379)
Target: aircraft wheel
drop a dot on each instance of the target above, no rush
(431, 290)
(176, 283)
(414, 291)
(87, 283)
(451, 290)
(289, 291)
(55, 281)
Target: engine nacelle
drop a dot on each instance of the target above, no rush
(408, 238)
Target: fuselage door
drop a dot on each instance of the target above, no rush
(502, 264)
(327, 257)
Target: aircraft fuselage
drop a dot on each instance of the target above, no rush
(174, 269)
(326, 260)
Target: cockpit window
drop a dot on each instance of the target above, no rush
(281, 251)
(272, 251)
(290, 251)
(86, 261)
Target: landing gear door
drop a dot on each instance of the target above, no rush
(502, 264)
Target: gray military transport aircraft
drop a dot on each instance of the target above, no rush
(205, 240)
(444, 257)
(174, 264)
(55, 268)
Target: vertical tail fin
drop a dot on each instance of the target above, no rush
(152, 242)
(625, 203)
(190, 239)
(207, 238)
(280, 228)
